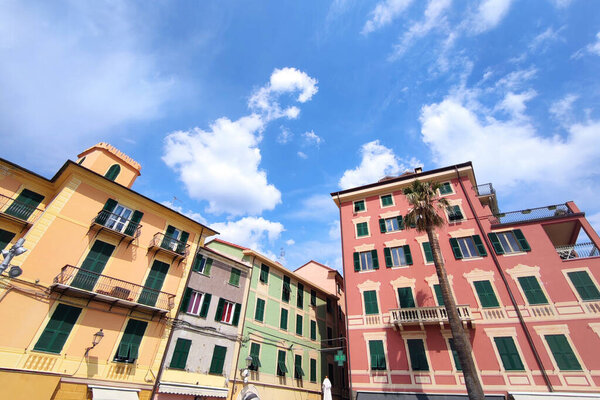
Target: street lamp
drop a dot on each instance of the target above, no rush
(16, 250)
(246, 370)
(97, 338)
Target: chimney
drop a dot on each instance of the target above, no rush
(418, 170)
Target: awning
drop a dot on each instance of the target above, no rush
(27, 386)
(192, 390)
(419, 396)
(553, 396)
(113, 393)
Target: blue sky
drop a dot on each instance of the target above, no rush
(245, 115)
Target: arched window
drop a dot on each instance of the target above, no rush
(81, 161)
(113, 172)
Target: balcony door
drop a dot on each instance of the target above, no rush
(25, 204)
(154, 283)
(119, 218)
(93, 265)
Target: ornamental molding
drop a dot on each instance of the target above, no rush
(461, 233)
(368, 285)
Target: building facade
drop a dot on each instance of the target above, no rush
(287, 318)
(104, 272)
(525, 282)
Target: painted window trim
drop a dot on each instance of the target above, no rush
(354, 206)
(453, 191)
(389, 205)
(572, 286)
(462, 212)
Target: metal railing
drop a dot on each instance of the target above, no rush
(117, 288)
(160, 240)
(531, 214)
(22, 211)
(117, 223)
(485, 189)
(579, 250)
(418, 315)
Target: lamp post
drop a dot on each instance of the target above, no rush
(97, 338)
(16, 250)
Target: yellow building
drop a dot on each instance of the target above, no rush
(103, 263)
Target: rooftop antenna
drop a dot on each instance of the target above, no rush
(281, 254)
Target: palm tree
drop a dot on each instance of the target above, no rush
(423, 197)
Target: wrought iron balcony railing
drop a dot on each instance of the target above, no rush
(21, 211)
(426, 315)
(161, 241)
(580, 250)
(531, 214)
(118, 289)
(118, 224)
(485, 189)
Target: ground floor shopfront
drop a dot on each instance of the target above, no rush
(447, 396)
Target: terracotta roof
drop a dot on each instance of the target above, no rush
(227, 243)
(315, 262)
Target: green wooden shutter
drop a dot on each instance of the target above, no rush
(375, 260)
(198, 262)
(563, 353)
(299, 324)
(313, 297)
(218, 359)
(286, 289)
(456, 249)
(255, 355)
(207, 266)
(298, 372)
(57, 330)
(387, 254)
(496, 243)
(180, 353)
(93, 265)
(418, 359)
(486, 294)
(400, 222)
(382, 225)
(370, 298)
(264, 273)
(300, 296)
(134, 222)
(533, 291)
(455, 355)
(219, 313)
(186, 299)
(205, 305)
(377, 354)
(24, 205)
(128, 349)
(281, 368)
(407, 255)
(313, 370)
(479, 245)
(167, 238)
(182, 242)
(387, 200)
(154, 283)
(356, 262)
(313, 330)
(584, 285)
(108, 208)
(428, 252)
(283, 319)
(234, 277)
(406, 298)
(236, 314)
(113, 172)
(509, 354)
(438, 294)
(5, 238)
(259, 313)
(522, 241)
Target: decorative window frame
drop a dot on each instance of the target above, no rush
(516, 253)
(425, 239)
(402, 282)
(433, 280)
(381, 335)
(573, 289)
(463, 233)
(417, 335)
(360, 220)
(365, 287)
(595, 326)
(447, 194)
(361, 249)
(396, 243)
(562, 329)
(358, 212)
(452, 203)
(509, 331)
(520, 271)
(381, 201)
(481, 275)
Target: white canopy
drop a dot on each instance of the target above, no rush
(191, 390)
(113, 393)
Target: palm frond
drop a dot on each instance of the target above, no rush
(424, 198)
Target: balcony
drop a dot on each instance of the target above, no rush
(82, 283)
(532, 214)
(426, 315)
(579, 250)
(17, 211)
(117, 225)
(173, 247)
(487, 196)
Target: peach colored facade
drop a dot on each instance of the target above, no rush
(61, 232)
(526, 284)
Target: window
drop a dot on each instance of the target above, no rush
(438, 294)
(117, 220)
(281, 368)
(202, 264)
(313, 370)
(228, 312)
(329, 307)
(5, 238)
(446, 188)
(313, 330)
(264, 273)
(313, 297)
(359, 206)
(24, 205)
(391, 224)
(113, 172)
(153, 284)
(454, 355)
(418, 358)
(329, 334)
(300, 296)
(486, 294)
(509, 242)
(509, 354)
(130, 342)
(254, 353)
(81, 161)
(454, 213)
(196, 303)
(405, 297)
(428, 252)
(533, 291)
(218, 360)
(286, 289)
(584, 285)
(362, 229)
(370, 298)
(298, 372)
(468, 247)
(387, 200)
(298, 324)
(57, 330)
(180, 354)
(234, 277)
(175, 240)
(377, 355)
(562, 353)
(330, 372)
(93, 265)
(397, 256)
(259, 313)
(366, 261)
(283, 319)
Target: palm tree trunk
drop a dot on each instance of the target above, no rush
(462, 344)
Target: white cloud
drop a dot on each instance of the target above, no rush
(384, 13)
(516, 79)
(302, 155)
(334, 230)
(592, 48)
(514, 103)
(290, 242)
(284, 136)
(377, 161)
(544, 39)
(489, 14)
(196, 216)
(312, 138)
(561, 109)
(251, 232)
(318, 207)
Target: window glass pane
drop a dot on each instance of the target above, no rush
(467, 247)
(366, 261)
(509, 242)
(398, 257)
(391, 224)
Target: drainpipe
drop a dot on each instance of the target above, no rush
(536, 355)
(346, 303)
(164, 356)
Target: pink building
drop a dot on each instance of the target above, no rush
(525, 282)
